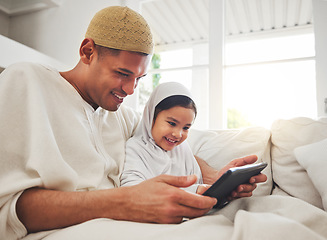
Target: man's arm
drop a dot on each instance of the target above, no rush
(210, 175)
(156, 200)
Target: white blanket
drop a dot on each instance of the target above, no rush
(265, 217)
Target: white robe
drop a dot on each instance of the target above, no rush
(51, 138)
(145, 159)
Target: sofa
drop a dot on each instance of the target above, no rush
(291, 204)
(290, 147)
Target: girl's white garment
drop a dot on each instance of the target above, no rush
(144, 159)
(51, 138)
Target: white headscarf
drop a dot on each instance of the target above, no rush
(144, 159)
(161, 92)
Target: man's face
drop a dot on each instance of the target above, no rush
(111, 78)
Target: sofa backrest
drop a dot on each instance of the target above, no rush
(219, 147)
(289, 176)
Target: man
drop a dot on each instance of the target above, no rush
(63, 137)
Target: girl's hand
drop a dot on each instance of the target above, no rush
(202, 188)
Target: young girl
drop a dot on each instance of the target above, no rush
(159, 146)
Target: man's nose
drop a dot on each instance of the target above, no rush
(129, 86)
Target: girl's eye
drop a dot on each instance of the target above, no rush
(186, 128)
(172, 124)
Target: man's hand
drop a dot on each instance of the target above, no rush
(160, 200)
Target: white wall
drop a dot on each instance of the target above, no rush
(4, 24)
(57, 32)
(320, 26)
(13, 52)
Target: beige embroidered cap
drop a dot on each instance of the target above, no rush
(121, 28)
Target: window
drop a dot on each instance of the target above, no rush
(265, 79)
(269, 79)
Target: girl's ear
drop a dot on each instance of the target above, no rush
(86, 51)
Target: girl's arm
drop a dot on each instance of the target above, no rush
(210, 175)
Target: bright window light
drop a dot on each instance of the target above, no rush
(270, 49)
(257, 94)
(260, 94)
(176, 58)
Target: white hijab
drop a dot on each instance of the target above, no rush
(144, 159)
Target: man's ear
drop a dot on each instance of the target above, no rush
(86, 51)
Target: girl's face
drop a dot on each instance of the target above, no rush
(171, 127)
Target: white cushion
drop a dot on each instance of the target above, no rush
(219, 147)
(313, 158)
(289, 176)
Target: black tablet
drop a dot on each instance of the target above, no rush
(230, 180)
